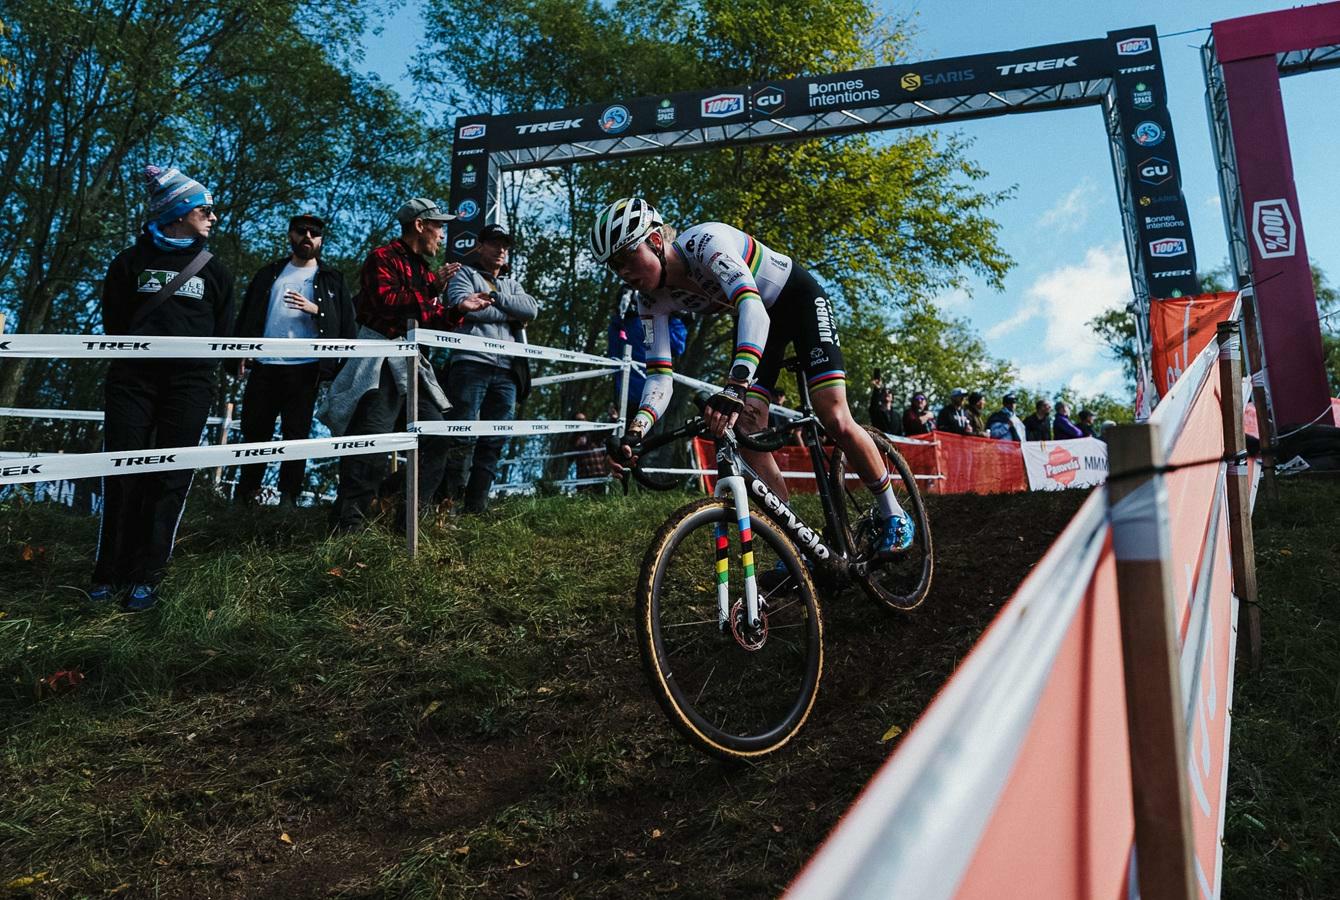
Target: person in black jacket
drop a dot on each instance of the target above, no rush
(297, 297)
(157, 403)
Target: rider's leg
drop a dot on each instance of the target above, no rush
(830, 405)
(755, 418)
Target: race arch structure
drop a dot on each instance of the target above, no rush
(1123, 73)
(1244, 61)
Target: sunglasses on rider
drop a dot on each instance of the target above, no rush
(306, 231)
(618, 260)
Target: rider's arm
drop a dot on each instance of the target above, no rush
(751, 326)
(659, 385)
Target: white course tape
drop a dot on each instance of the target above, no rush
(428, 338)
(83, 415)
(572, 376)
(128, 462)
(517, 429)
(75, 346)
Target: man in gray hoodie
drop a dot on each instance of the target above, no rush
(484, 386)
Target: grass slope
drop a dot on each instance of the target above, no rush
(312, 717)
(1282, 829)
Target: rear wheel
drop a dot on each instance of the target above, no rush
(904, 581)
(735, 690)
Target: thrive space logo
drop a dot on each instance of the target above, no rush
(1274, 229)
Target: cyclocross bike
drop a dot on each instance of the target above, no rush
(728, 618)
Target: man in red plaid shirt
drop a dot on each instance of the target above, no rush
(368, 396)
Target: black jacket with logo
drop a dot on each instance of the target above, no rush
(335, 308)
(202, 307)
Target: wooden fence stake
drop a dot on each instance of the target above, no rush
(1239, 489)
(1155, 717)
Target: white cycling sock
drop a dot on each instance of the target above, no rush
(885, 498)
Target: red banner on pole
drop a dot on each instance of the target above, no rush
(1180, 328)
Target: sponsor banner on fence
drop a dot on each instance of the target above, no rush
(1058, 465)
(1180, 329)
(514, 429)
(113, 346)
(93, 465)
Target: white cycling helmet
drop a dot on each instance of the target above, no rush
(626, 223)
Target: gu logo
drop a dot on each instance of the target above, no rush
(1274, 229)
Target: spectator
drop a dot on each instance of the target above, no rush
(1038, 427)
(165, 284)
(368, 396)
(591, 459)
(975, 407)
(1107, 423)
(297, 297)
(882, 414)
(625, 329)
(953, 417)
(1062, 427)
(1004, 423)
(918, 418)
(876, 402)
(1085, 419)
(484, 385)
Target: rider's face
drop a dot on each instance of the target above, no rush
(639, 268)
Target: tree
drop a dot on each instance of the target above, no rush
(252, 98)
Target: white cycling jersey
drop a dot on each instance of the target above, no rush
(731, 272)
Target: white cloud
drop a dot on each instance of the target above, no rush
(1072, 210)
(1063, 301)
(952, 300)
(1214, 202)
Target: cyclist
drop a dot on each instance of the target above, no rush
(713, 268)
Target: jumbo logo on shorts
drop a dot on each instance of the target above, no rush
(151, 281)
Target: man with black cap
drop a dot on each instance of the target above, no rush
(1004, 424)
(297, 297)
(484, 385)
(368, 396)
(953, 418)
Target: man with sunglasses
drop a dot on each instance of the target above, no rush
(297, 297)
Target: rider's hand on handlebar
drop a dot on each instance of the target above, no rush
(620, 450)
(724, 408)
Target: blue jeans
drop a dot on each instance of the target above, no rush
(478, 392)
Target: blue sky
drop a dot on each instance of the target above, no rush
(1062, 227)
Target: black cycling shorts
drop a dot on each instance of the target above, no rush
(801, 317)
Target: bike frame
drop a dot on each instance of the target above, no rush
(737, 480)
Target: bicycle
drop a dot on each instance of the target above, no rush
(738, 677)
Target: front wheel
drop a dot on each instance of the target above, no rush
(903, 582)
(735, 689)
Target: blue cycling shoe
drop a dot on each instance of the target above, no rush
(102, 593)
(142, 598)
(893, 535)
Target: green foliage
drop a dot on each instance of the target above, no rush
(254, 99)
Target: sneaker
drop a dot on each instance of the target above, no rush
(102, 593)
(142, 598)
(893, 535)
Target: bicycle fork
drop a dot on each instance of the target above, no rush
(734, 486)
